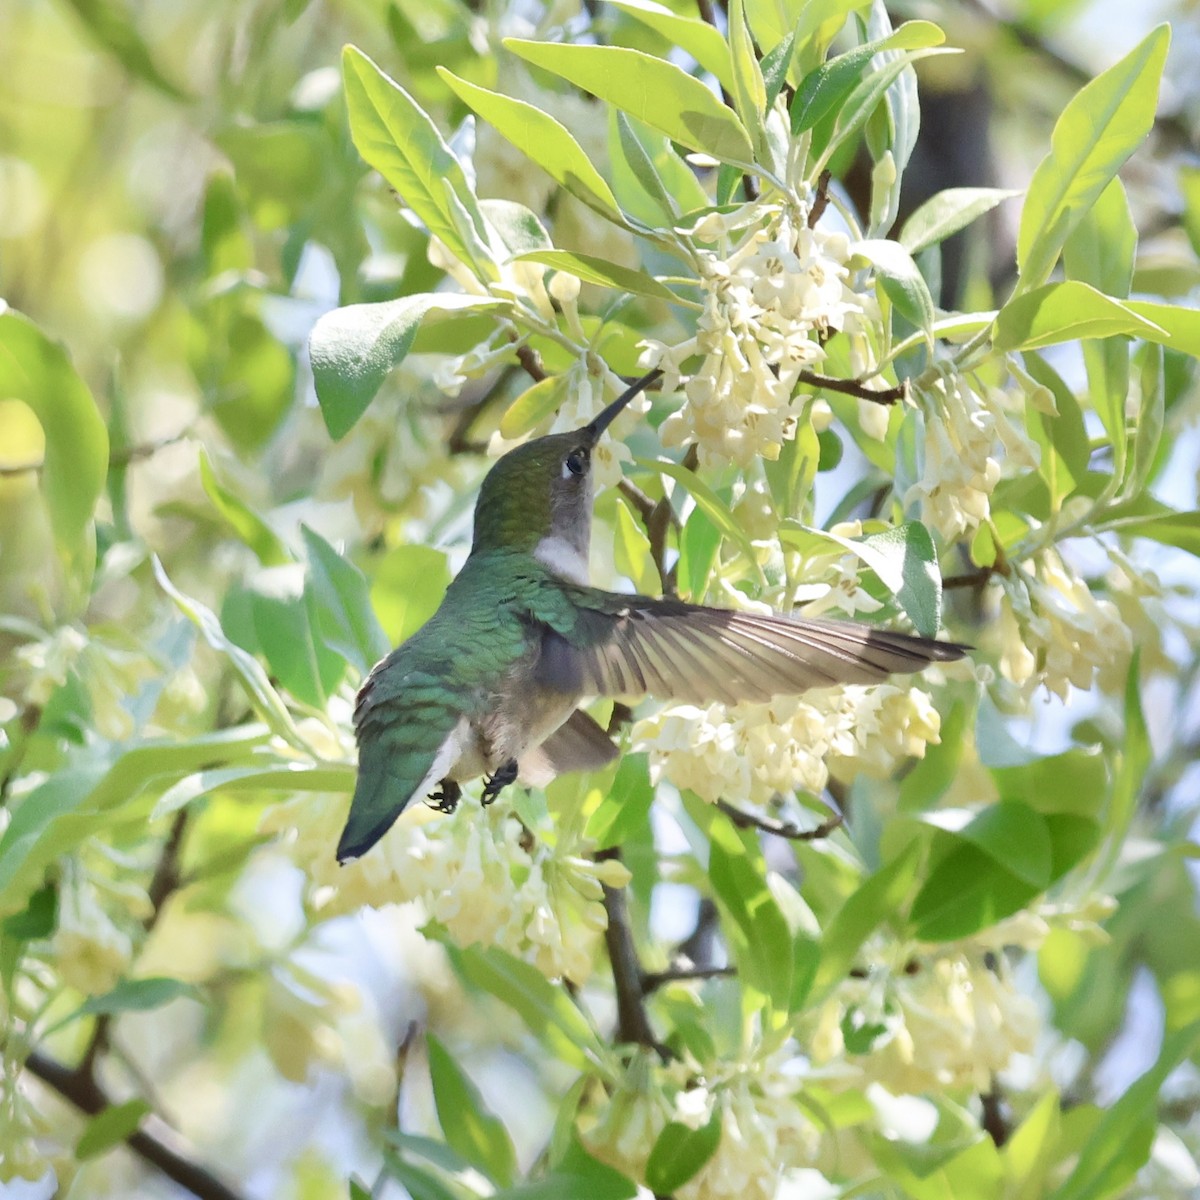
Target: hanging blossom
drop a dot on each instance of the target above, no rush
(920, 1019)
(768, 304)
(756, 751)
(765, 1134)
(968, 441)
(480, 874)
(1054, 633)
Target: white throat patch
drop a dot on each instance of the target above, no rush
(563, 559)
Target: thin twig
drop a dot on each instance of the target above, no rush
(653, 980)
(151, 1145)
(995, 1122)
(783, 829)
(122, 456)
(972, 579)
(531, 360)
(820, 199)
(633, 1024)
(851, 387)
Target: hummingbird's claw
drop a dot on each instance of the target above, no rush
(505, 774)
(447, 796)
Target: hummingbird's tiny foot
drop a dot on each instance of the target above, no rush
(447, 796)
(505, 774)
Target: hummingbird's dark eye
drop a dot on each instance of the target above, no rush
(576, 462)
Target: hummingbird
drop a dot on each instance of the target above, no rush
(491, 685)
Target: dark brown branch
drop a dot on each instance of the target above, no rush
(531, 360)
(150, 1145)
(122, 456)
(972, 579)
(652, 980)
(851, 387)
(820, 199)
(783, 829)
(633, 1024)
(995, 1121)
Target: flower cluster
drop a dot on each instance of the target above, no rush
(916, 1021)
(968, 439)
(1054, 633)
(91, 951)
(481, 875)
(764, 1135)
(769, 300)
(755, 751)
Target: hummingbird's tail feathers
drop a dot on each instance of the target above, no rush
(397, 763)
(635, 646)
(579, 744)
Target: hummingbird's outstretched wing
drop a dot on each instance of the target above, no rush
(606, 644)
(407, 742)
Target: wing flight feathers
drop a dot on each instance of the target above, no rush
(638, 646)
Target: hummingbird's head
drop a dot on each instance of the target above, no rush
(539, 496)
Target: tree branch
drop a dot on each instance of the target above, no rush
(783, 829)
(633, 1024)
(851, 387)
(652, 980)
(152, 1145)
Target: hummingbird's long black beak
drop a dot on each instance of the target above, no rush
(596, 427)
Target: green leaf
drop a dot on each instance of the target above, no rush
(112, 27)
(1171, 529)
(631, 551)
(904, 559)
(544, 1007)
(352, 349)
(879, 898)
(625, 807)
(692, 35)
(749, 89)
(657, 92)
(1176, 327)
(138, 995)
(679, 1153)
(1067, 312)
(543, 139)
(931, 776)
(520, 229)
(1100, 127)
(1010, 832)
(109, 1128)
(775, 67)
(968, 890)
(409, 585)
(279, 777)
(75, 802)
(395, 135)
(598, 270)
(577, 1175)
(419, 1183)
(533, 406)
(470, 1129)
(901, 280)
(287, 639)
(1073, 782)
(707, 500)
(1120, 1143)
(36, 370)
(340, 599)
(944, 214)
(244, 521)
(760, 937)
(265, 699)
(37, 920)
(1063, 436)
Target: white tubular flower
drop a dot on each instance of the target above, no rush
(927, 1022)
(585, 399)
(477, 873)
(753, 752)
(768, 303)
(764, 1132)
(968, 441)
(1055, 634)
